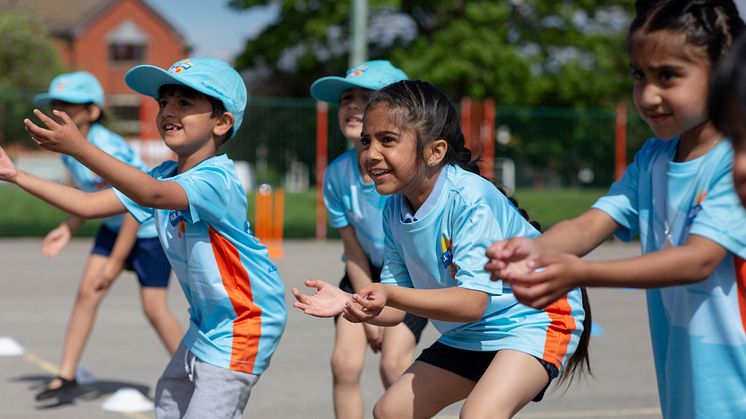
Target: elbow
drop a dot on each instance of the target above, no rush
(476, 311)
(701, 271)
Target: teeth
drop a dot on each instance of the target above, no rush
(377, 172)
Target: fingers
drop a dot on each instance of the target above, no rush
(49, 122)
(368, 304)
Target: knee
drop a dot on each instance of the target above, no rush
(89, 296)
(345, 368)
(470, 411)
(154, 312)
(384, 409)
(392, 367)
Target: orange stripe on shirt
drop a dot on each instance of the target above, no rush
(559, 331)
(741, 282)
(247, 327)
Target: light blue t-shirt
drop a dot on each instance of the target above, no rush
(699, 330)
(87, 181)
(236, 297)
(446, 248)
(349, 201)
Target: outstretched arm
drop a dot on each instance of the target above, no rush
(454, 304)
(57, 239)
(71, 200)
(559, 273)
(62, 136)
(577, 236)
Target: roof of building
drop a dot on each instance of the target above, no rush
(70, 18)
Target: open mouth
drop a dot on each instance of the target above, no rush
(171, 128)
(377, 173)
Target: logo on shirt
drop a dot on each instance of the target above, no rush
(446, 254)
(697, 207)
(177, 220)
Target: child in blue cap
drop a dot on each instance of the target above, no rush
(80, 95)
(236, 297)
(355, 208)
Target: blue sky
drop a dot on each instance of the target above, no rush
(211, 28)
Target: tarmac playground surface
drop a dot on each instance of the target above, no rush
(36, 296)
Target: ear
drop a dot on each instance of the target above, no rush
(94, 112)
(435, 152)
(224, 124)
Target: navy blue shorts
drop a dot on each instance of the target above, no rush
(413, 322)
(472, 364)
(146, 259)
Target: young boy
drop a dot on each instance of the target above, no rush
(236, 297)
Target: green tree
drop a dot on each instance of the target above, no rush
(28, 61)
(519, 52)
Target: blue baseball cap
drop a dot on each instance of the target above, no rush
(77, 87)
(209, 76)
(371, 75)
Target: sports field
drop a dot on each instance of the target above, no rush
(37, 295)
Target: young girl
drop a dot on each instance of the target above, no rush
(678, 195)
(80, 95)
(728, 109)
(354, 207)
(493, 352)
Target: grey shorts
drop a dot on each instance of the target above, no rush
(192, 389)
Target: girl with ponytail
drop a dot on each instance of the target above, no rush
(678, 196)
(439, 220)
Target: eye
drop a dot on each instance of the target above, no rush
(184, 103)
(387, 139)
(667, 75)
(365, 140)
(637, 74)
(162, 103)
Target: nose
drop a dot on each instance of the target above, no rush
(649, 95)
(372, 154)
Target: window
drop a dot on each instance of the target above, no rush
(125, 113)
(127, 44)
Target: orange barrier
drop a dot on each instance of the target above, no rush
(269, 219)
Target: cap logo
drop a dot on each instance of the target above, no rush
(61, 85)
(354, 72)
(180, 66)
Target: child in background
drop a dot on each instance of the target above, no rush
(355, 208)
(728, 109)
(80, 95)
(236, 297)
(678, 195)
(494, 352)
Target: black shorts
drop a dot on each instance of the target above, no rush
(146, 259)
(472, 364)
(414, 323)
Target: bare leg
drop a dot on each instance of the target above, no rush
(512, 380)
(348, 359)
(155, 306)
(397, 353)
(422, 392)
(81, 319)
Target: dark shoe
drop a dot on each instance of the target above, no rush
(64, 388)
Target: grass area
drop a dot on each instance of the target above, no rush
(22, 215)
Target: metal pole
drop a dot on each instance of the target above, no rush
(358, 29)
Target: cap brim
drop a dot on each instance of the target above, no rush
(44, 99)
(148, 79)
(328, 89)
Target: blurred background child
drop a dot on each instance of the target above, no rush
(80, 95)
(355, 208)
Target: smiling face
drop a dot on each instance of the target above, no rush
(671, 82)
(186, 123)
(350, 115)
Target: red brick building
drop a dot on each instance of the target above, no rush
(106, 38)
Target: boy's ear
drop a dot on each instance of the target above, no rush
(94, 112)
(224, 124)
(435, 152)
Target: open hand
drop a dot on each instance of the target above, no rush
(61, 135)
(551, 277)
(8, 170)
(328, 301)
(55, 241)
(370, 301)
(507, 258)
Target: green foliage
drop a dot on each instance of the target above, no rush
(28, 61)
(520, 52)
